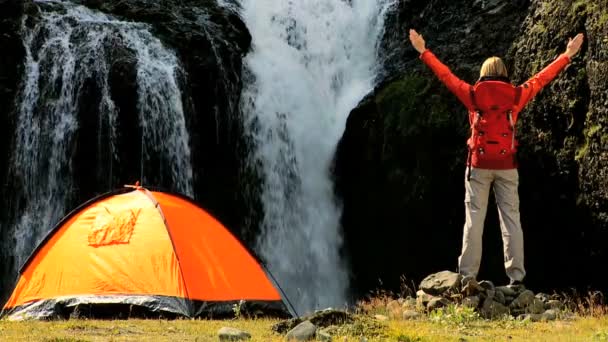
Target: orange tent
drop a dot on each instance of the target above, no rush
(140, 253)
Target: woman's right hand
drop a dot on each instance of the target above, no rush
(574, 45)
(417, 41)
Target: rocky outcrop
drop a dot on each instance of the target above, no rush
(210, 41)
(564, 137)
(232, 334)
(400, 164)
(324, 325)
(11, 69)
(489, 301)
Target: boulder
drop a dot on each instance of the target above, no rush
(438, 283)
(492, 309)
(233, 334)
(522, 301)
(304, 331)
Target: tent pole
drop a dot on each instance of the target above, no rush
(281, 289)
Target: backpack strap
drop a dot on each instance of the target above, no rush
(472, 123)
(475, 107)
(472, 95)
(510, 115)
(517, 96)
(469, 162)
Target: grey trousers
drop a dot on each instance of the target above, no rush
(477, 190)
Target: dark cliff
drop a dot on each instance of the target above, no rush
(11, 68)
(400, 164)
(210, 42)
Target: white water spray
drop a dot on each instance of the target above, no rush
(65, 49)
(312, 62)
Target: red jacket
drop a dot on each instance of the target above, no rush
(462, 90)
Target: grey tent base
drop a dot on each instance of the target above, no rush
(141, 306)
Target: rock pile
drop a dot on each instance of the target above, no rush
(317, 325)
(444, 288)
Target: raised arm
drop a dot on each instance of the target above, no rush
(457, 86)
(532, 86)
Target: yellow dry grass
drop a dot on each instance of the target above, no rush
(578, 329)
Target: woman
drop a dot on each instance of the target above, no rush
(493, 105)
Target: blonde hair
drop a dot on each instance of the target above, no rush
(493, 67)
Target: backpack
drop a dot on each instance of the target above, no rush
(492, 121)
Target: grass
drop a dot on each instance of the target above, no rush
(586, 320)
(579, 329)
(582, 329)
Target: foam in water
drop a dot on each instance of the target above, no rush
(64, 50)
(312, 62)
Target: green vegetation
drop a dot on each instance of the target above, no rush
(455, 315)
(589, 134)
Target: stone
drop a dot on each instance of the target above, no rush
(422, 298)
(549, 315)
(487, 285)
(471, 301)
(411, 314)
(523, 300)
(492, 309)
(491, 293)
(536, 307)
(554, 304)
(233, 334)
(304, 331)
(507, 291)
(321, 318)
(470, 287)
(517, 288)
(500, 297)
(543, 297)
(436, 303)
(438, 283)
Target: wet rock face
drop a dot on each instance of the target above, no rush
(461, 33)
(11, 68)
(564, 137)
(210, 42)
(400, 165)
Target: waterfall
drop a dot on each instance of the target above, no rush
(312, 61)
(69, 47)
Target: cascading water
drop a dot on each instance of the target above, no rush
(68, 47)
(312, 62)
